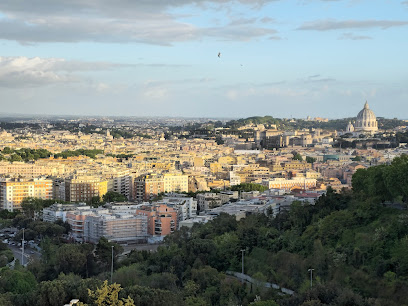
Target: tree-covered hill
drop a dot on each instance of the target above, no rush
(334, 124)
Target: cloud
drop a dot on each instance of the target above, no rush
(153, 83)
(328, 25)
(352, 36)
(238, 33)
(267, 20)
(31, 72)
(317, 78)
(142, 21)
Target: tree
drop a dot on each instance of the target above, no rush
(104, 251)
(71, 258)
(297, 156)
(108, 295)
(17, 281)
(310, 159)
(51, 293)
(357, 158)
(112, 196)
(95, 201)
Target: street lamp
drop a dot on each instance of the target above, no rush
(311, 277)
(242, 251)
(112, 266)
(22, 250)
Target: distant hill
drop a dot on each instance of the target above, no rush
(335, 124)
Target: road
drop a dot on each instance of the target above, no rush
(140, 247)
(29, 253)
(249, 279)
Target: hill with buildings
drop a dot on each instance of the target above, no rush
(354, 242)
(316, 123)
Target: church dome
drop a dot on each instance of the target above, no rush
(366, 120)
(350, 128)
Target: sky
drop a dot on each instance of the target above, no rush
(284, 58)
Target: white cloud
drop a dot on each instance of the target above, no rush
(328, 25)
(119, 21)
(352, 36)
(28, 72)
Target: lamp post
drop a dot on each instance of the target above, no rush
(311, 277)
(242, 251)
(112, 266)
(22, 250)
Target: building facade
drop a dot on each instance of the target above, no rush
(161, 219)
(13, 191)
(84, 188)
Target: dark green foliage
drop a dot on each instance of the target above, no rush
(145, 296)
(297, 156)
(104, 252)
(249, 187)
(5, 214)
(383, 182)
(25, 154)
(112, 196)
(17, 281)
(310, 160)
(79, 152)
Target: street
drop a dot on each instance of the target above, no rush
(29, 253)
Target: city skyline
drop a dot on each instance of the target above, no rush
(290, 58)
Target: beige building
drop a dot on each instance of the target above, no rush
(175, 183)
(282, 183)
(14, 191)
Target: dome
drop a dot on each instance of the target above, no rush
(366, 120)
(350, 128)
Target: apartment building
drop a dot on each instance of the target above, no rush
(83, 188)
(175, 182)
(161, 219)
(122, 184)
(13, 191)
(147, 187)
(186, 207)
(59, 211)
(76, 219)
(27, 170)
(117, 227)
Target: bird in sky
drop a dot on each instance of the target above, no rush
(219, 54)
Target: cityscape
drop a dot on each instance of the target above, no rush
(203, 153)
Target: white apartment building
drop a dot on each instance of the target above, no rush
(186, 207)
(118, 227)
(59, 211)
